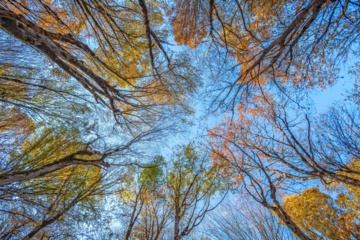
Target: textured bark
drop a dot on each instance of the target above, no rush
(343, 179)
(280, 212)
(147, 30)
(289, 222)
(33, 35)
(67, 161)
(177, 226)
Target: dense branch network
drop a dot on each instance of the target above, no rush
(88, 90)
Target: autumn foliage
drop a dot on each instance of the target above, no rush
(95, 96)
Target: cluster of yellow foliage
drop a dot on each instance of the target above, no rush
(321, 215)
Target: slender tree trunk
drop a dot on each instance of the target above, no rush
(177, 226)
(134, 215)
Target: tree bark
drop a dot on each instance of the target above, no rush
(280, 212)
(46, 169)
(56, 53)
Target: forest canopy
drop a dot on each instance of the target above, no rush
(181, 119)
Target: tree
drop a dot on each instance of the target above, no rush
(44, 178)
(154, 209)
(192, 184)
(271, 146)
(142, 196)
(83, 84)
(300, 42)
(121, 46)
(242, 218)
(51, 173)
(36, 88)
(321, 215)
(300, 146)
(49, 125)
(50, 152)
(169, 200)
(190, 22)
(248, 171)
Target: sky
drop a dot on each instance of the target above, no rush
(323, 99)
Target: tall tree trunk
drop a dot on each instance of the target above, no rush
(280, 212)
(177, 225)
(56, 53)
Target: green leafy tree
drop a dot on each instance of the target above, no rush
(170, 199)
(192, 184)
